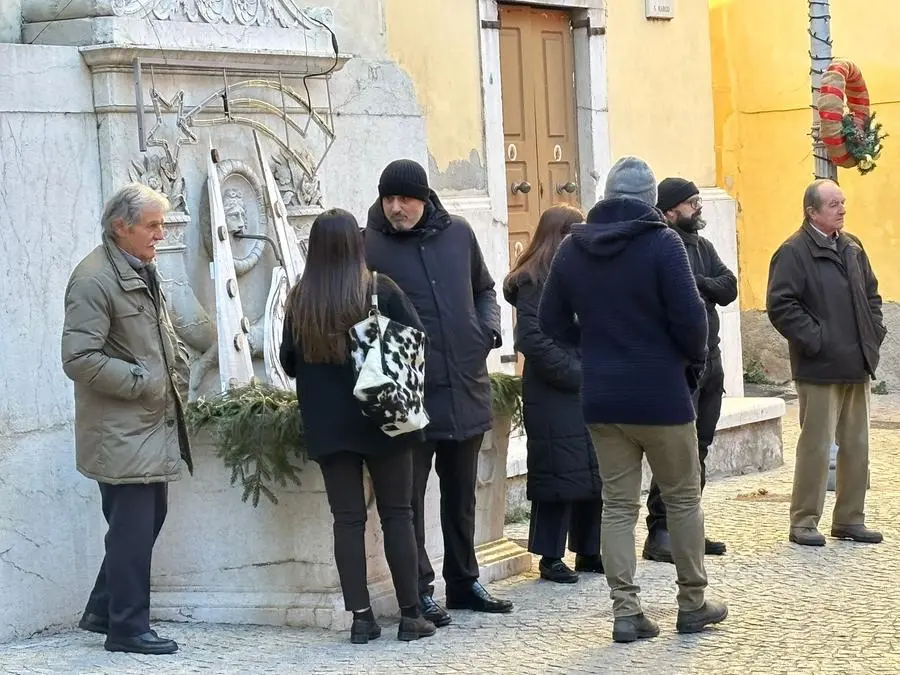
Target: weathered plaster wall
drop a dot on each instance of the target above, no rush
(10, 21)
(660, 106)
(50, 196)
(436, 42)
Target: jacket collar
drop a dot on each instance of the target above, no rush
(128, 277)
(820, 248)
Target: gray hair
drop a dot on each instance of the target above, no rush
(812, 199)
(128, 204)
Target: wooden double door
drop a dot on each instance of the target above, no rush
(539, 121)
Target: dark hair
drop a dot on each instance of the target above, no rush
(812, 199)
(332, 294)
(534, 262)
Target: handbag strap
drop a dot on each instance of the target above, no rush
(374, 306)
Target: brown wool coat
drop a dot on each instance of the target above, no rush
(130, 374)
(824, 300)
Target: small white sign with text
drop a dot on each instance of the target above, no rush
(660, 9)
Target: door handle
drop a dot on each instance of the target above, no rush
(524, 187)
(569, 187)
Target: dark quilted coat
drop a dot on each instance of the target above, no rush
(562, 464)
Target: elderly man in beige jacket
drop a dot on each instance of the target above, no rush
(130, 375)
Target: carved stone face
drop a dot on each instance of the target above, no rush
(235, 211)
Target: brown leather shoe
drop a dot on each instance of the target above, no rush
(859, 533)
(806, 536)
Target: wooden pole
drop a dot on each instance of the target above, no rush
(820, 58)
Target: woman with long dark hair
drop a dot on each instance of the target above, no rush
(333, 294)
(563, 481)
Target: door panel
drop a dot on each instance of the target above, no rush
(519, 131)
(537, 81)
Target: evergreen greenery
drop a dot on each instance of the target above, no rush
(863, 141)
(257, 432)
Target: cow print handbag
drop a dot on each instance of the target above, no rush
(389, 361)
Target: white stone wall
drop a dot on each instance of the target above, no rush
(10, 21)
(50, 525)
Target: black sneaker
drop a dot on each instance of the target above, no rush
(715, 547)
(554, 569)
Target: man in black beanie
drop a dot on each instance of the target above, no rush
(435, 258)
(680, 202)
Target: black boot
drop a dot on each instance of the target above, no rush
(657, 547)
(589, 563)
(414, 627)
(554, 569)
(364, 628)
(715, 547)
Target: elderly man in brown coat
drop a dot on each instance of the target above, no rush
(823, 297)
(130, 375)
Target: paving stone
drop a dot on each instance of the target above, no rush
(792, 610)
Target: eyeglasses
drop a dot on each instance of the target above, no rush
(695, 203)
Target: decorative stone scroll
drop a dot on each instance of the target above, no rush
(283, 13)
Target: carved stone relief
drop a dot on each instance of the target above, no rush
(245, 213)
(298, 188)
(284, 13)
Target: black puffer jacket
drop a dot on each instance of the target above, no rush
(439, 266)
(562, 464)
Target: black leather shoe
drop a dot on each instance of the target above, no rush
(657, 547)
(589, 563)
(94, 623)
(414, 628)
(433, 612)
(363, 630)
(631, 628)
(148, 643)
(477, 599)
(858, 533)
(715, 547)
(557, 571)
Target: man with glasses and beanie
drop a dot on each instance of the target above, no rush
(435, 259)
(680, 202)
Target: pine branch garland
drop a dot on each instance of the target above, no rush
(257, 431)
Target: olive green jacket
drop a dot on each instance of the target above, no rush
(130, 374)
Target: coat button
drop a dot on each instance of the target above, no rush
(140, 308)
(171, 370)
(170, 423)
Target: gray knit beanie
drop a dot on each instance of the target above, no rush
(631, 177)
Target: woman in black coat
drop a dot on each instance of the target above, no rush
(563, 477)
(333, 294)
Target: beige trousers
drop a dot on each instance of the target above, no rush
(831, 412)
(672, 454)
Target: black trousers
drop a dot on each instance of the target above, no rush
(392, 482)
(456, 464)
(708, 404)
(552, 521)
(135, 514)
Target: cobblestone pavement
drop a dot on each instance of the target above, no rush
(793, 610)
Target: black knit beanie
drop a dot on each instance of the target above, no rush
(404, 178)
(673, 191)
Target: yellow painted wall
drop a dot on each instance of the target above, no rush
(659, 98)
(437, 43)
(762, 121)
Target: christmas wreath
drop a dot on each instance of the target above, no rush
(847, 127)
